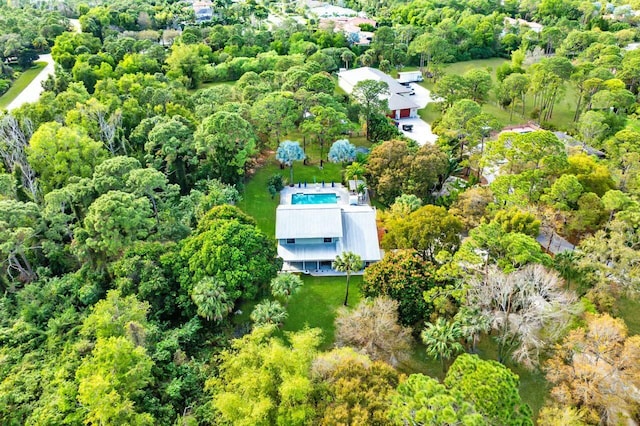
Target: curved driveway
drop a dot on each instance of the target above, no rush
(32, 92)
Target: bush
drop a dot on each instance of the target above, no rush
(4, 85)
(276, 182)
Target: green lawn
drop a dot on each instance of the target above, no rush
(317, 303)
(21, 82)
(256, 200)
(628, 309)
(563, 111)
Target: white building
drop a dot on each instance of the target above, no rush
(311, 236)
(400, 103)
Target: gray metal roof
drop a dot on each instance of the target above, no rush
(307, 252)
(308, 221)
(356, 75)
(397, 102)
(360, 233)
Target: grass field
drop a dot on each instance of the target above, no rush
(21, 82)
(318, 302)
(563, 111)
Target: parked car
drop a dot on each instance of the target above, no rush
(407, 127)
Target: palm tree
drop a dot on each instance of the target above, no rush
(348, 262)
(285, 286)
(268, 312)
(442, 339)
(211, 299)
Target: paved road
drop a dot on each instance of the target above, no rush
(32, 92)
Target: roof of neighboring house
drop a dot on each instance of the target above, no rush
(308, 221)
(356, 75)
(516, 22)
(397, 102)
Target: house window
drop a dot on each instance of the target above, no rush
(328, 240)
(291, 240)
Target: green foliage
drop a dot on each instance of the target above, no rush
(428, 230)
(57, 153)
(401, 276)
(211, 299)
(421, 400)
(236, 253)
(268, 312)
(112, 379)
(226, 141)
(114, 221)
(490, 387)
(263, 381)
(117, 316)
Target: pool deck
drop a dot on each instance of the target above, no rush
(316, 188)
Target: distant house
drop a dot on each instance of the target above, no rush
(400, 103)
(351, 28)
(203, 10)
(534, 26)
(310, 236)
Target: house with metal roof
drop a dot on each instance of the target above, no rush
(400, 103)
(327, 222)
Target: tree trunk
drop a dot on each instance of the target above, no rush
(346, 296)
(291, 174)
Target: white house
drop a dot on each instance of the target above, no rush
(400, 103)
(310, 236)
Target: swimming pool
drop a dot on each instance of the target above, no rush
(301, 198)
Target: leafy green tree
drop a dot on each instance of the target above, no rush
(428, 230)
(114, 221)
(57, 153)
(564, 193)
(112, 379)
(421, 400)
(478, 85)
(288, 152)
(451, 88)
(233, 250)
(442, 339)
(327, 123)
(490, 387)
(211, 299)
(283, 393)
(269, 312)
(403, 277)
(348, 263)
(227, 142)
(186, 61)
(274, 115)
(170, 149)
(490, 243)
(286, 285)
(516, 86)
(117, 316)
(371, 96)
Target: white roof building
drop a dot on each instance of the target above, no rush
(311, 236)
(400, 103)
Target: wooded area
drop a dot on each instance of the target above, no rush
(140, 277)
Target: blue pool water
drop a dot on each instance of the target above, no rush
(314, 199)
